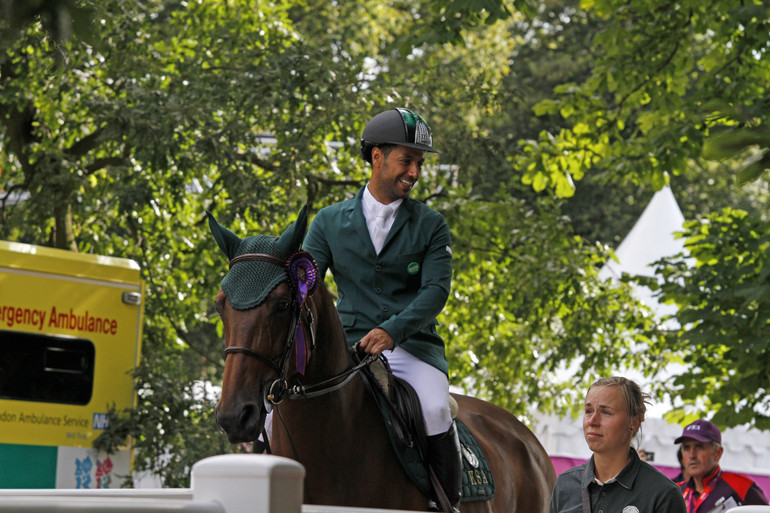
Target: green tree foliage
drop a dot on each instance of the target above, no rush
(724, 304)
(671, 79)
(554, 48)
(677, 93)
(527, 305)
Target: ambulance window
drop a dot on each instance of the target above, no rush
(45, 368)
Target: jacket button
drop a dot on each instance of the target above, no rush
(378, 267)
(385, 308)
(378, 290)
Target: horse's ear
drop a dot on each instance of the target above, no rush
(291, 239)
(228, 241)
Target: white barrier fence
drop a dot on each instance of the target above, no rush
(233, 483)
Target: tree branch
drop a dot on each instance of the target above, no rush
(101, 163)
(85, 144)
(251, 158)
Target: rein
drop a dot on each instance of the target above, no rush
(322, 388)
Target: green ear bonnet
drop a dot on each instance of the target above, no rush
(249, 282)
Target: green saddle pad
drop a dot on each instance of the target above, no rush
(478, 484)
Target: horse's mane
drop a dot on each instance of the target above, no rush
(325, 304)
(328, 319)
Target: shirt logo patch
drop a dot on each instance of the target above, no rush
(630, 509)
(413, 268)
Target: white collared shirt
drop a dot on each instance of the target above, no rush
(372, 210)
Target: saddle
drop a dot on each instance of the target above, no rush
(402, 414)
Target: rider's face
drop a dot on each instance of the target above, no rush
(394, 175)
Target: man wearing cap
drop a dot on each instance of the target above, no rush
(711, 489)
(391, 259)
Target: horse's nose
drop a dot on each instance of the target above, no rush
(240, 424)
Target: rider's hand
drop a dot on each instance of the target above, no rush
(376, 341)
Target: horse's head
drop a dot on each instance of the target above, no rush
(261, 306)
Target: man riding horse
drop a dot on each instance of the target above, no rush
(391, 259)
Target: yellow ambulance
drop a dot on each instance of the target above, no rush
(70, 337)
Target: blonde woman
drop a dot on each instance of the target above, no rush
(615, 479)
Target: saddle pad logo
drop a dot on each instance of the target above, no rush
(471, 458)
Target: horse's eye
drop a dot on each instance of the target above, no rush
(283, 305)
(219, 302)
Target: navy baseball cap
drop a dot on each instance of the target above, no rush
(702, 431)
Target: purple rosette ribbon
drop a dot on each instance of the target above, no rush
(302, 272)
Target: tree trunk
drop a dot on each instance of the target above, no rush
(64, 237)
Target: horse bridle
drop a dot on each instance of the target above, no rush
(279, 388)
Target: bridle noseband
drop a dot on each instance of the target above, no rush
(275, 365)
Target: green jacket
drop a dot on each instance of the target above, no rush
(403, 289)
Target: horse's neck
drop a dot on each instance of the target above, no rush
(330, 355)
(337, 411)
(340, 437)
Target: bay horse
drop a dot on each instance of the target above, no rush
(323, 414)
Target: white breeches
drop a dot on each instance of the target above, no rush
(431, 385)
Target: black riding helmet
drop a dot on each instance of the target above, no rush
(401, 127)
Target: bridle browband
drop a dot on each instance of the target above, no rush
(262, 257)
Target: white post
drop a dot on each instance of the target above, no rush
(253, 483)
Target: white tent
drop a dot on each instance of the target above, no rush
(651, 239)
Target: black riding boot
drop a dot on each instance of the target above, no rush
(446, 459)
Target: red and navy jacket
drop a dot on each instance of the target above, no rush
(717, 488)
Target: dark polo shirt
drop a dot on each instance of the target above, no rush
(639, 488)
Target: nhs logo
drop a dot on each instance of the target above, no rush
(101, 421)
